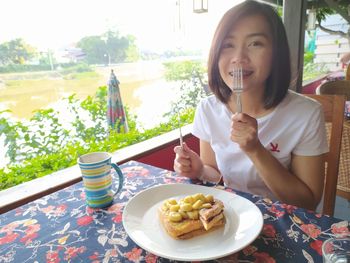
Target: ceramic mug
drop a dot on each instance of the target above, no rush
(97, 179)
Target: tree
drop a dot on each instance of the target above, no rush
(108, 48)
(341, 7)
(132, 52)
(190, 75)
(94, 48)
(16, 52)
(116, 46)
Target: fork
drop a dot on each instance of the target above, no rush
(179, 123)
(237, 86)
(218, 182)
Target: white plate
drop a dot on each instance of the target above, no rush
(244, 222)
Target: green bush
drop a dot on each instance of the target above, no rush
(44, 146)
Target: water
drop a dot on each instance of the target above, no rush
(143, 88)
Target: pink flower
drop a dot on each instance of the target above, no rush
(115, 208)
(72, 252)
(135, 171)
(134, 254)
(85, 220)
(168, 181)
(90, 211)
(48, 209)
(329, 248)
(269, 231)
(52, 257)
(32, 229)
(317, 245)
(311, 230)
(61, 209)
(263, 258)
(150, 258)
(275, 211)
(94, 256)
(10, 237)
(340, 228)
(27, 239)
(289, 208)
(117, 218)
(18, 211)
(10, 227)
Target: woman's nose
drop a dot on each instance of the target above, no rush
(239, 56)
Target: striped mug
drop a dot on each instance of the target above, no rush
(97, 179)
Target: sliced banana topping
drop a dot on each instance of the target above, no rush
(187, 207)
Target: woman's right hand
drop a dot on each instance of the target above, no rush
(187, 162)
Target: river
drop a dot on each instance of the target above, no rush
(143, 89)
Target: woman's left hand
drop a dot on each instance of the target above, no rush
(244, 131)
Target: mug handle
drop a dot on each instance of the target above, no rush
(120, 177)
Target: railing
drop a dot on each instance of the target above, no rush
(157, 151)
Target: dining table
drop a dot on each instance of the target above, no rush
(60, 227)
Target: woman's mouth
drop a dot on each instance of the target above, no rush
(245, 73)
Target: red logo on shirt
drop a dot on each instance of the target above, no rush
(274, 147)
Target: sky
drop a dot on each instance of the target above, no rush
(157, 24)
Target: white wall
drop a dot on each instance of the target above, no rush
(329, 48)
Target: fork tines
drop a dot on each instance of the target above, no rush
(237, 74)
(237, 86)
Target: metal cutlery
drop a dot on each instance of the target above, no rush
(237, 87)
(179, 124)
(218, 182)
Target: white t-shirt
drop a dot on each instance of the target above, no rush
(295, 126)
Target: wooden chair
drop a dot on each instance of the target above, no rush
(333, 106)
(341, 87)
(347, 72)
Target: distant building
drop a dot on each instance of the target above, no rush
(329, 48)
(69, 55)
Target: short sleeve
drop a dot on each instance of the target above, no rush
(314, 139)
(200, 127)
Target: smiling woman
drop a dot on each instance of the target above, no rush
(265, 148)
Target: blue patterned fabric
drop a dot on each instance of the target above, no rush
(61, 228)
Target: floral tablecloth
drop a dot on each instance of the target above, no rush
(61, 228)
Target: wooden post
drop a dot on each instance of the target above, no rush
(294, 18)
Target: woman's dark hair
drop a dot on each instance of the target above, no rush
(278, 82)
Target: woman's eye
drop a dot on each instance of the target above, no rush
(227, 45)
(255, 44)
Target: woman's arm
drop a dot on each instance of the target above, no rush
(210, 170)
(189, 164)
(301, 186)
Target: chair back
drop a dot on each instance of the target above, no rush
(333, 107)
(335, 87)
(347, 72)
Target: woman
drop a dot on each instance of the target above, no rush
(275, 147)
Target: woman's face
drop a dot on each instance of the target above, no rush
(248, 45)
